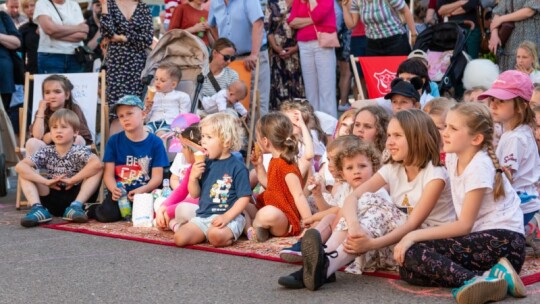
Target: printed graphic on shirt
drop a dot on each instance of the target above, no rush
(220, 192)
(135, 172)
(406, 206)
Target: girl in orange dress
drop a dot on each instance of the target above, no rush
(283, 204)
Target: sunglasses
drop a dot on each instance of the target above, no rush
(228, 57)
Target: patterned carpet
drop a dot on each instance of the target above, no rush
(268, 250)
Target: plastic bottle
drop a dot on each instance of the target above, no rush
(123, 203)
(166, 190)
(201, 34)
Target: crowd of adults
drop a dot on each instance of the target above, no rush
(282, 34)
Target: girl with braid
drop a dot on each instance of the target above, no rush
(508, 100)
(482, 251)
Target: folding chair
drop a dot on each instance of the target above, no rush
(254, 107)
(378, 73)
(86, 95)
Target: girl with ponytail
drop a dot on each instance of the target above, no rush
(283, 204)
(482, 251)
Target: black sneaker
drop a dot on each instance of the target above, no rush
(315, 260)
(295, 280)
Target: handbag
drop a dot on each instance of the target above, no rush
(506, 28)
(326, 40)
(484, 43)
(84, 55)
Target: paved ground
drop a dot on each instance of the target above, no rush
(48, 266)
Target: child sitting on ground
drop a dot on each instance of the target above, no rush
(226, 99)
(355, 162)
(283, 204)
(221, 183)
(73, 174)
(133, 157)
(163, 107)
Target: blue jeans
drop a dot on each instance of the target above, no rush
(49, 63)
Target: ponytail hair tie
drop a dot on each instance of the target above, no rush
(499, 170)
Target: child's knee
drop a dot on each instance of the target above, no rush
(220, 237)
(180, 239)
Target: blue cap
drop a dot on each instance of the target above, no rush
(129, 100)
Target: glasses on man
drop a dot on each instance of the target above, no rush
(228, 57)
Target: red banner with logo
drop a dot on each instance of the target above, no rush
(379, 73)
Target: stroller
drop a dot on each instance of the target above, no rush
(444, 37)
(185, 50)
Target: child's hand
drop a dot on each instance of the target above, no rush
(119, 38)
(199, 27)
(298, 120)
(197, 169)
(358, 244)
(43, 104)
(308, 222)
(53, 182)
(315, 186)
(220, 221)
(256, 156)
(116, 193)
(162, 219)
(131, 194)
(401, 248)
(47, 138)
(69, 182)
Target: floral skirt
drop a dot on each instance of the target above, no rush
(377, 217)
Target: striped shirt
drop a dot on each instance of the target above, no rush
(224, 79)
(380, 17)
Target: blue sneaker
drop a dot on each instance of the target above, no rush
(479, 290)
(292, 254)
(75, 213)
(504, 270)
(37, 215)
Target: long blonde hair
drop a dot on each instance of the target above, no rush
(479, 121)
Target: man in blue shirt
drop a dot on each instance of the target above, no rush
(241, 21)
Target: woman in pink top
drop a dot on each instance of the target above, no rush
(318, 63)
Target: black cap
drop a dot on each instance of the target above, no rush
(403, 88)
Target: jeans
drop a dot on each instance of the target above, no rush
(319, 73)
(49, 63)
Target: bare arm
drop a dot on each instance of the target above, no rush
(351, 20)
(462, 226)
(59, 31)
(300, 201)
(518, 15)
(373, 184)
(409, 20)
(93, 166)
(299, 23)
(448, 9)
(26, 169)
(10, 42)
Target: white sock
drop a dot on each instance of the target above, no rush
(341, 260)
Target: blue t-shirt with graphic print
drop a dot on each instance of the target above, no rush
(223, 182)
(133, 161)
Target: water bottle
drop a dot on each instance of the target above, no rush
(166, 190)
(123, 203)
(201, 34)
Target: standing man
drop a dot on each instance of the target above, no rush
(12, 8)
(241, 21)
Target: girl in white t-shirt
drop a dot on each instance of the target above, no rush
(508, 100)
(481, 250)
(418, 187)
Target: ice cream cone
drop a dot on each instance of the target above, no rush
(200, 156)
(151, 92)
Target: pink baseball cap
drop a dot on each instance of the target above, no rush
(510, 84)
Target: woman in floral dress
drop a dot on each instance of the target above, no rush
(286, 77)
(127, 24)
